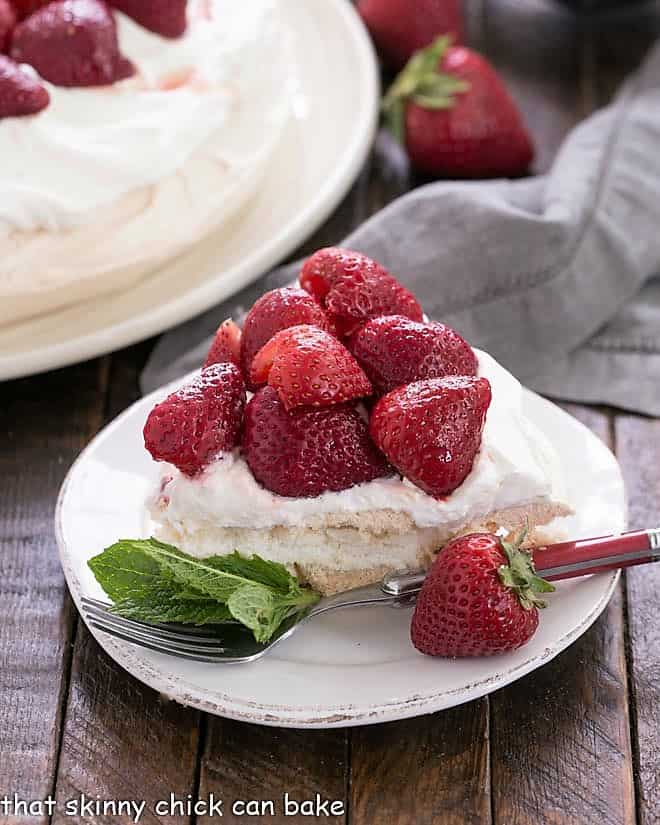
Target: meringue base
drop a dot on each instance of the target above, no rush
(341, 551)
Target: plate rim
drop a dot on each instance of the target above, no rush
(310, 716)
(124, 333)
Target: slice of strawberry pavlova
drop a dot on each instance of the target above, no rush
(345, 436)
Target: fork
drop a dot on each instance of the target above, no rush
(232, 643)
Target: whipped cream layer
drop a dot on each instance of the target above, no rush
(218, 94)
(516, 465)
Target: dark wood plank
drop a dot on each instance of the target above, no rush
(250, 762)
(433, 769)
(44, 425)
(560, 738)
(121, 740)
(638, 450)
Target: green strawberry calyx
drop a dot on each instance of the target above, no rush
(422, 82)
(519, 574)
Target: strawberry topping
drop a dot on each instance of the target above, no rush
(431, 430)
(274, 311)
(394, 350)
(354, 288)
(226, 346)
(479, 598)
(164, 17)
(308, 452)
(7, 23)
(309, 368)
(199, 421)
(24, 8)
(20, 93)
(72, 43)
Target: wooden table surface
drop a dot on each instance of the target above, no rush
(575, 742)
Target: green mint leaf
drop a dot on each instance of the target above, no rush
(256, 569)
(126, 570)
(156, 582)
(165, 610)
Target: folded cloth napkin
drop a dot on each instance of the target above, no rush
(556, 276)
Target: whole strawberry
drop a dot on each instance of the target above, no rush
(453, 113)
(20, 93)
(71, 43)
(199, 421)
(308, 452)
(399, 28)
(431, 430)
(275, 311)
(164, 17)
(394, 350)
(354, 288)
(7, 23)
(309, 368)
(226, 345)
(479, 598)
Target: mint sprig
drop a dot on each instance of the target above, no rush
(153, 582)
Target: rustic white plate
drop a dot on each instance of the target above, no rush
(322, 151)
(353, 667)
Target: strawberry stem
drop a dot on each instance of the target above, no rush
(519, 574)
(422, 82)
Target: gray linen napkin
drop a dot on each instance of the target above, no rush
(556, 276)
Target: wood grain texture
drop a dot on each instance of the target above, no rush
(121, 740)
(560, 738)
(434, 769)
(250, 762)
(44, 426)
(638, 450)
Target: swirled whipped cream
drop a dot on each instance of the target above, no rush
(218, 95)
(515, 466)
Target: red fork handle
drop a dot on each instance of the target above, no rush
(579, 558)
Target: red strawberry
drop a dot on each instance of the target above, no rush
(479, 598)
(354, 288)
(455, 116)
(24, 8)
(199, 421)
(394, 350)
(309, 368)
(226, 346)
(274, 311)
(7, 23)
(20, 93)
(308, 452)
(164, 17)
(431, 430)
(401, 27)
(72, 43)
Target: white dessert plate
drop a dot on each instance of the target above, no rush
(352, 667)
(324, 147)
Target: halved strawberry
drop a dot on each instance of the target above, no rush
(394, 350)
(309, 368)
(164, 17)
(431, 430)
(199, 421)
(20, 93)
(354, 288)
(274, 311)
(308, 452)
(226, 346)
(72, 43)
